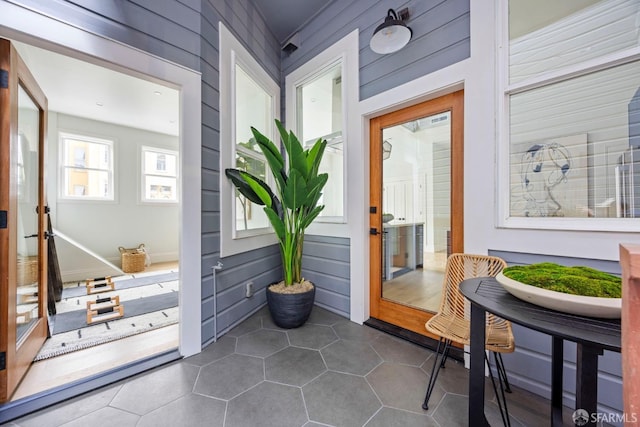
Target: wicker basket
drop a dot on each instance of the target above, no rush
(27, 273)
(133, 260)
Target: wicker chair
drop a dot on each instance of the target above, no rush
(451, 323)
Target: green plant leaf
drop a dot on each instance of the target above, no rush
(314, 189)
(311, 216)
(314, 157)
(258, 187)
(273, 156)
(276, 223)
(297, 158)
(243, 187)
(295, 192)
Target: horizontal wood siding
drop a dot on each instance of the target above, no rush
(441, 37)
(529, 366)
(261, 266)
(325, 262)
(167, 29)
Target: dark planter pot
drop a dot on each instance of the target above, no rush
(290, 310)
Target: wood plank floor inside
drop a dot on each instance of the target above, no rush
(420, 288)
(57, 371)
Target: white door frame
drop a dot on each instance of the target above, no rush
(27, 26)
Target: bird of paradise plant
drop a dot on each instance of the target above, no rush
(294, 204)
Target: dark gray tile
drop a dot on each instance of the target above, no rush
(401, 386)
(453, 378)
(320, 316)
(532, 409)
(149, 391)
(230, 376)
(294, 366)
(262, 343)
(389, 417)
(396, 350)
(105, 417)
(252, 324)
(340, 400)
(70, 409)
(267, 405)
(268, 323)
(190, 410)
(492, 413)
(312, 336)
(353, 357)
(348, 330)
(215, 351)
(451, 411)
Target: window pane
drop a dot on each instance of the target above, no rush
(546, 36)
(250, 216)
(87, 183)
(319, 115)
(87, 167)
(86, 154)
(160, 163)
(253, 108)
(160, 188)
(574, 147)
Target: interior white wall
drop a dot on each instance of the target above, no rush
(103, 226)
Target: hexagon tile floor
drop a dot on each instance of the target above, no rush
(330, 372)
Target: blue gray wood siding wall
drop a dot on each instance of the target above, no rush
(441, 37)
(325, 262)
(529, 366)
(261, 266)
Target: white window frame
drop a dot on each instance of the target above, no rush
(505, 90)
(346, 52)
(232, 52)
(62, 166)
(143, 174)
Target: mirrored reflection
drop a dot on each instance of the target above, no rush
(416, 210)
(27, 302)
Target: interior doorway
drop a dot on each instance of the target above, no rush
(84, 145)
(416, 208)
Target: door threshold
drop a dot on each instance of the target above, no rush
(21, 407)
(421, 340)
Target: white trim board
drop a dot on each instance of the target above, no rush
(30, 27)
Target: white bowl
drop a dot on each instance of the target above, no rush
(606, 308)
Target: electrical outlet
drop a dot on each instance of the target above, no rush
(249, 289)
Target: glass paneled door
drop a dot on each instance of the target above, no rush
(416, 208)
(23, 254)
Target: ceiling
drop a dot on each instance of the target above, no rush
(285, 17)
(86, 90)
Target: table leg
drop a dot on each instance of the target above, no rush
(557, 362)
(587, 379)
(476, 365)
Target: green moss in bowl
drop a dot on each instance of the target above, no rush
(584, 281)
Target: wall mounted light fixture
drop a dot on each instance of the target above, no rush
(393, 34)
(386, 149)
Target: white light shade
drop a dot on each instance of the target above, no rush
(390, 39)
(390, 36)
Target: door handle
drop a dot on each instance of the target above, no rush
(31, 235)
(374, 231)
